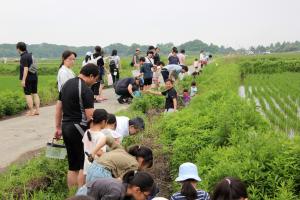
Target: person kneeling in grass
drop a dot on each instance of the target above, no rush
(170, 94)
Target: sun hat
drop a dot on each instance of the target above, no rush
(187, 171)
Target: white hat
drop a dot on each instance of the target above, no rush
(88, 53)
(188, 171)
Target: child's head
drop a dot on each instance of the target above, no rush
(161, 63)
(169, 84)
(141, 185)
(196, 59)
(174, 50)
(111, 120)
(185, 91)
(184, 69)
(143, 155)
(230, 188)
(142, 60)
(193, 84)
(150, 54)
(182, 51)
(99, 118)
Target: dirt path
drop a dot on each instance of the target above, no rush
(23, 134)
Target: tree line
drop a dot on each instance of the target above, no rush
(45, 50)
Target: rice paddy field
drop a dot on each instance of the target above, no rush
(273, 84)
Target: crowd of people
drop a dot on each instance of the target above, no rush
(98, 164)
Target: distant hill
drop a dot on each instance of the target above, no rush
(45, 50)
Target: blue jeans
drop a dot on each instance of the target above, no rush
(96, 171)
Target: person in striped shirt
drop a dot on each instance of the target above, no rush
(188, 177)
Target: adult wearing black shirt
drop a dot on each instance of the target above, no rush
(126, 87)
(29, 80)
(170, 94)
(156, 56)
(74, 108)
(97, 88)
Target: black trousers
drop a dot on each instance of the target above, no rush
(116, 77)
(165, 74)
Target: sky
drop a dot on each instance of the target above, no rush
(235, 23)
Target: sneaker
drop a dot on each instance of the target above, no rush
(121, 100)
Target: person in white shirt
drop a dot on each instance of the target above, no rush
(65, 72)
(126, 127)
(202, 59)
(114, 65)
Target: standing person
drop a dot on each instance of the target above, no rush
(74, 108)
(181, 57)
(149, 57)
(126, 88)
(147, 71)
(156, 56)
(65, 72)
(87, 58)
(114, 66)
(230, 188)
(136, 58)
(29, 80)
(173, 58)
(170, 94)
(188, 177)
(97, 59)
(202, 59)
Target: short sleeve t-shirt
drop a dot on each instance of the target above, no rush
(125, 82)
(64, 74)
(106, 189)
(173, 60)
(201, 195)
(146, 69)
(26, 61)
(69, 96)
(170, 95)
(122, 126)
(116, 59)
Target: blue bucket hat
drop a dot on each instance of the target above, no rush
(188, 171)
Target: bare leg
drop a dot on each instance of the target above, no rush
(81, 179)
(36, 100)
(72, 178)
(29, 104)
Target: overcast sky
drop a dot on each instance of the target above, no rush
(236, 23)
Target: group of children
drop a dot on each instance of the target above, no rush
(113, 173)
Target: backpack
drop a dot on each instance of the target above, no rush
(112, 65)
(94, 60)
(33, 67)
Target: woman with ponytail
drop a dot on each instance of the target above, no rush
(135, 185)
(188, 177)
(118, 161)
(65, 72)
(93, 135)
(230, 189)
